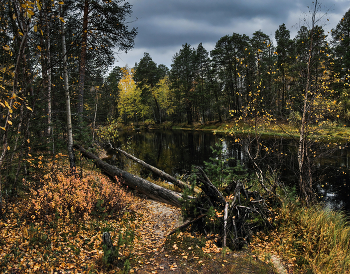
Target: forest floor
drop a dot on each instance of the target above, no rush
(76, 248)
(183, 252)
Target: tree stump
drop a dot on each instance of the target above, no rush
(109, 251)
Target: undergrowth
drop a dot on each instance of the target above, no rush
(74, 196)
(310, 240)
(58, 224)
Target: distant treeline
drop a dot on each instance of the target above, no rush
(242, 77)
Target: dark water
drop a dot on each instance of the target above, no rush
(175, 151)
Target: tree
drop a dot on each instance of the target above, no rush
(230, 62)
(262, 94)
(284, 58)
(341, 40)
(182, 77)
(68, 107)
(130, 105)
(202, 91)
(341, 44)
(314, 90)
(147, 75)
(110, 95)
(104, 25)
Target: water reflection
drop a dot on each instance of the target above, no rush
(175, 151)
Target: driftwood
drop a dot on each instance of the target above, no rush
(155, 170)
(143, 186)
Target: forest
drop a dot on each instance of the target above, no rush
(59, 89)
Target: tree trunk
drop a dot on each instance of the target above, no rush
(82, 67)
(49, 70)
(68, 109)
(305, 179)
(158, 116)
(155, 170)
(108, 248)
(143, 186)
(95, 115)
(11, 102)
(210, 190)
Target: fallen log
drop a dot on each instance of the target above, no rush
(209, 189)
(143, 186)
(155, 170)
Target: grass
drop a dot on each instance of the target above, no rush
(322, 132)
(310, 240)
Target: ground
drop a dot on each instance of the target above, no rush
(186, 253)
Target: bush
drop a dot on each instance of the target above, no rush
(71, 196)
(109, 132)
(294, 118)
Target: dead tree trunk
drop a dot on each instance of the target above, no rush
(143, 186)
(237, 215)
(155, 170)
(210, 190)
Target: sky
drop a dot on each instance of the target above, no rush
(165, 25)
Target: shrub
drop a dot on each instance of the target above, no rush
(109, 132)
(67, 196)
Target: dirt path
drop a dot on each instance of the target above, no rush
(157, 256)
(159, 220)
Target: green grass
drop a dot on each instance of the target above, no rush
(271, 129)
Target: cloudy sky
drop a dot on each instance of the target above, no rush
(165, 25)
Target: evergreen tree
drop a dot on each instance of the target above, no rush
(182, 77)
(103, 28)
(284, 58)
(147, 75)
(203, 95)
(341, 45)
(262, 91)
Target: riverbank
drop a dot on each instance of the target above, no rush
(307, 239)
(325, 132)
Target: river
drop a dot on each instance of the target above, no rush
(175, 151)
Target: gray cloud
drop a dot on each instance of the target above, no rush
(165, 25)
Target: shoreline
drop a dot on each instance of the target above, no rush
(338, 134)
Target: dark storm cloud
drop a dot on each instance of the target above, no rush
(165, 25)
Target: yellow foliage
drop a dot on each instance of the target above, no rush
(129, 104)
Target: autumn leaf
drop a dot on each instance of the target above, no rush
(38, 5)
